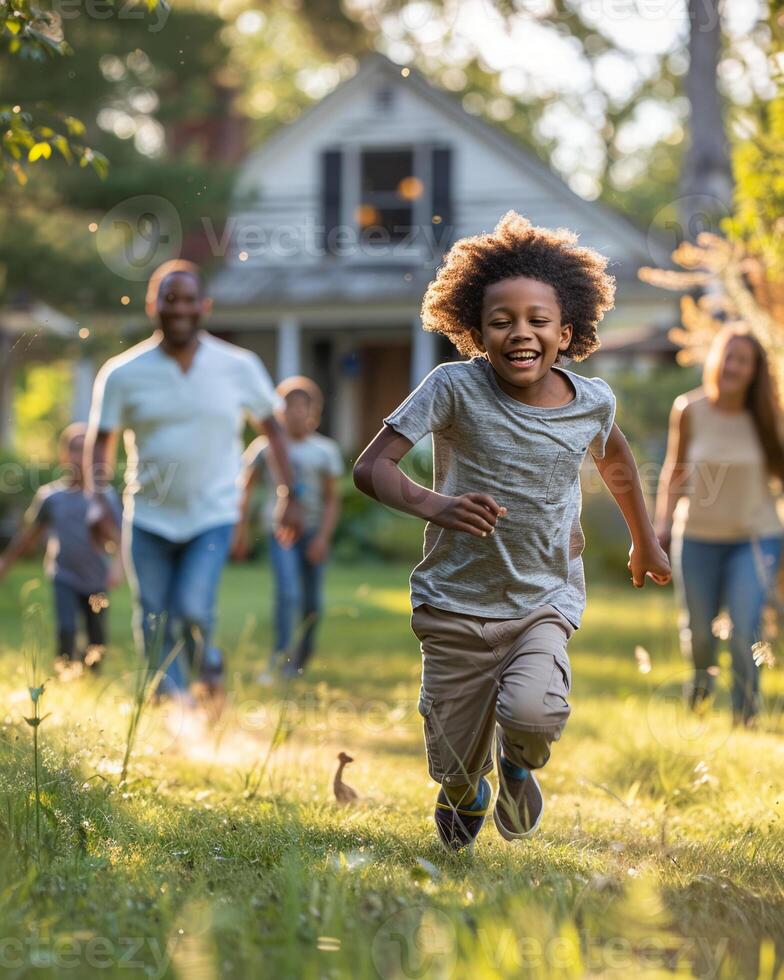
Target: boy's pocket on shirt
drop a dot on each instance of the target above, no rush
(546, 475)
(523, 473)
(564, 474)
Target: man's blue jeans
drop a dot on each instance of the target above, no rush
(738, 576)
(298, 593)
(180, 579)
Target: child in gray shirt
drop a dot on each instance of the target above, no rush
(500, 588)
(298, 565)
(81, 573)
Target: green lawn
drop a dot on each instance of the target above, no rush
(661, 852)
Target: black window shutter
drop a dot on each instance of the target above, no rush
(331, 172)
(442, 197)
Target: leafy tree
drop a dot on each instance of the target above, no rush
(34, 35)
(740, 277)
(759, 198)
(129, 75)
(640, 181)
(155, 78)
(758, 165)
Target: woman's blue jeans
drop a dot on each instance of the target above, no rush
(176, 586)
(298, 597)
(737, 576)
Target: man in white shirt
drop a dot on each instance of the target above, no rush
(181, 398)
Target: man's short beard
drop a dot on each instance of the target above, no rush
(179, 340)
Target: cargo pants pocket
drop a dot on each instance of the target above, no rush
(434, 762)
(556, 698)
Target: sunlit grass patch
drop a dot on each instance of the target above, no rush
(223, 852)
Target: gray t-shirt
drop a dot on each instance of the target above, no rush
(312, 458)
(528, 458)
(71, 556)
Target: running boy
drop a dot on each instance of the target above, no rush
(81, 574)
(500, 589)
(298, 565)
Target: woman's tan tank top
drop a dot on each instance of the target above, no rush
(728, 495)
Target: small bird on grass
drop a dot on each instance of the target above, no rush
(343, 794)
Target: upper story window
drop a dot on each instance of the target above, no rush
(393, 201)
(389, 190)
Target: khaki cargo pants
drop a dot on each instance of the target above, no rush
(486, 676)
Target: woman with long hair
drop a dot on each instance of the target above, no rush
(716, 511)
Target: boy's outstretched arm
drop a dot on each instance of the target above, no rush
(619, 472)
(377, 474)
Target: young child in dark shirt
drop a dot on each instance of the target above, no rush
(81, 574)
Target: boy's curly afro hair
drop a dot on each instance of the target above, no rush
(453, 301)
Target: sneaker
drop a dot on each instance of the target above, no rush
(213, 670)
(459, 826)
(181, 718)
(68, 670)
(519, 805)
(271, 673)
(93, 656)
(209, 688)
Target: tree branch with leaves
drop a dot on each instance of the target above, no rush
(37, 131)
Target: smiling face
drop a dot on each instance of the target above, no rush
(180, 307)
(737, 368)
(522, 332)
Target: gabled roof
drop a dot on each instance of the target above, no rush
(234, 286)
(374, 65)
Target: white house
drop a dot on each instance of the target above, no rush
(340, 218)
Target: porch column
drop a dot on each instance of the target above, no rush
(423, 352)
(345, 395)
(287, 361)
